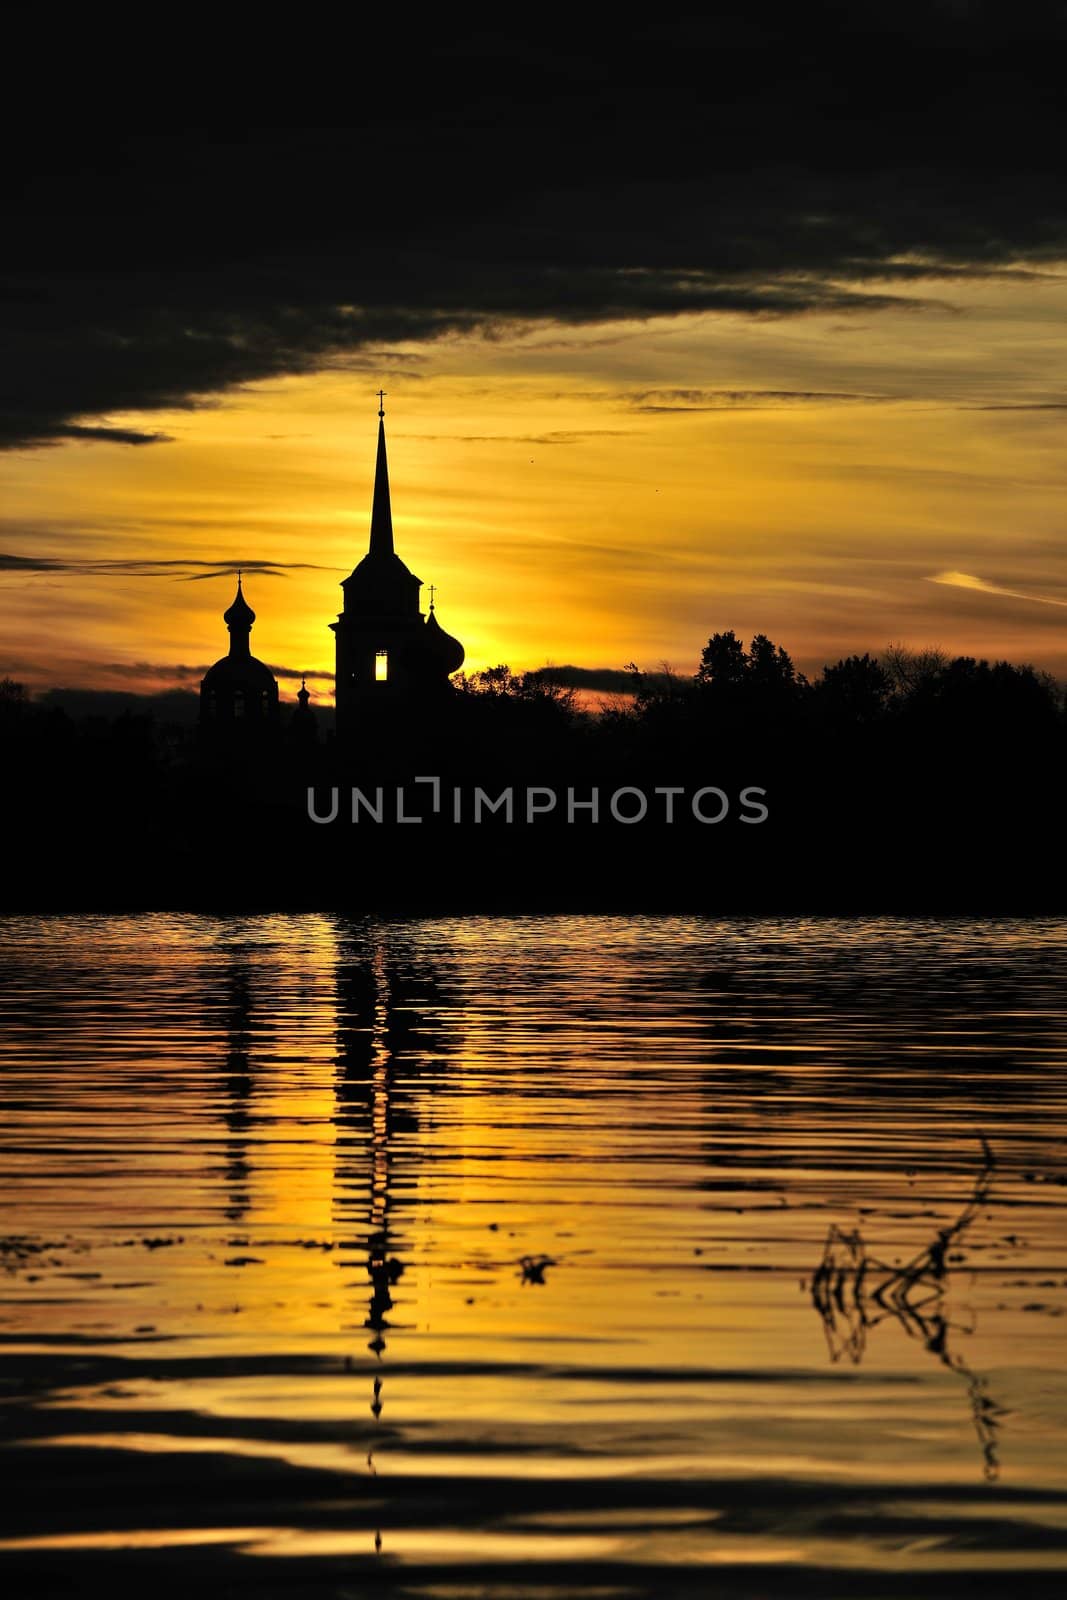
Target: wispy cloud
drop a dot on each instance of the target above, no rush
(559, 436)
(187, 569)
(748, 399)
(174, 672)
(968, 580)
(1024, 405)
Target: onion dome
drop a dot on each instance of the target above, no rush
(239, 614)
(239, 670)
(443, 648)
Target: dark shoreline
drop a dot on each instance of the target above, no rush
(273, 859)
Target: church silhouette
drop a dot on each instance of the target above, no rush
(390, 657)
(239, 693)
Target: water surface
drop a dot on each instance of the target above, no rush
(534, 1257)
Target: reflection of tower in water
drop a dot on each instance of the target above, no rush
(377, 1028)
(238, 1089)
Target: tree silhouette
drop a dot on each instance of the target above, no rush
(855, 690)
(723, 662)
(13, 697)
(769, 667)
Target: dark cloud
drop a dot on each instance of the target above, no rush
(175, 706)
(608, 680)
(52, 432)
(155, 671)
(140, 671)
(857, 157)
(300, 672)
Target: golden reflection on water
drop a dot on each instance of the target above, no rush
(644, 1232)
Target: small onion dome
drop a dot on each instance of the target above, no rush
(443, 648)
(240, 613)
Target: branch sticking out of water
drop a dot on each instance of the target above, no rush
(853, 1292)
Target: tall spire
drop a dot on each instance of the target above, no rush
(381, 517)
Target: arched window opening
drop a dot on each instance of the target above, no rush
(381, 666)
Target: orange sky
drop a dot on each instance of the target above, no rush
(585, 496)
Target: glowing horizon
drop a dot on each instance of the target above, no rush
(586, 497)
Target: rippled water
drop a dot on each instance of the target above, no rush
(534, 1257)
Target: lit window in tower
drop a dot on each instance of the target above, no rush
(381, 666)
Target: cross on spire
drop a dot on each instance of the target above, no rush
(381, 402)
(433, 591)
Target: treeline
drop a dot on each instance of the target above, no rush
(748, 709)
(908, 780)
(739, 693)
(743, 691)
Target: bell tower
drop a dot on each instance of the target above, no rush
(389, 655)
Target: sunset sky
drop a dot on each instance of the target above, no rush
(707, 333)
